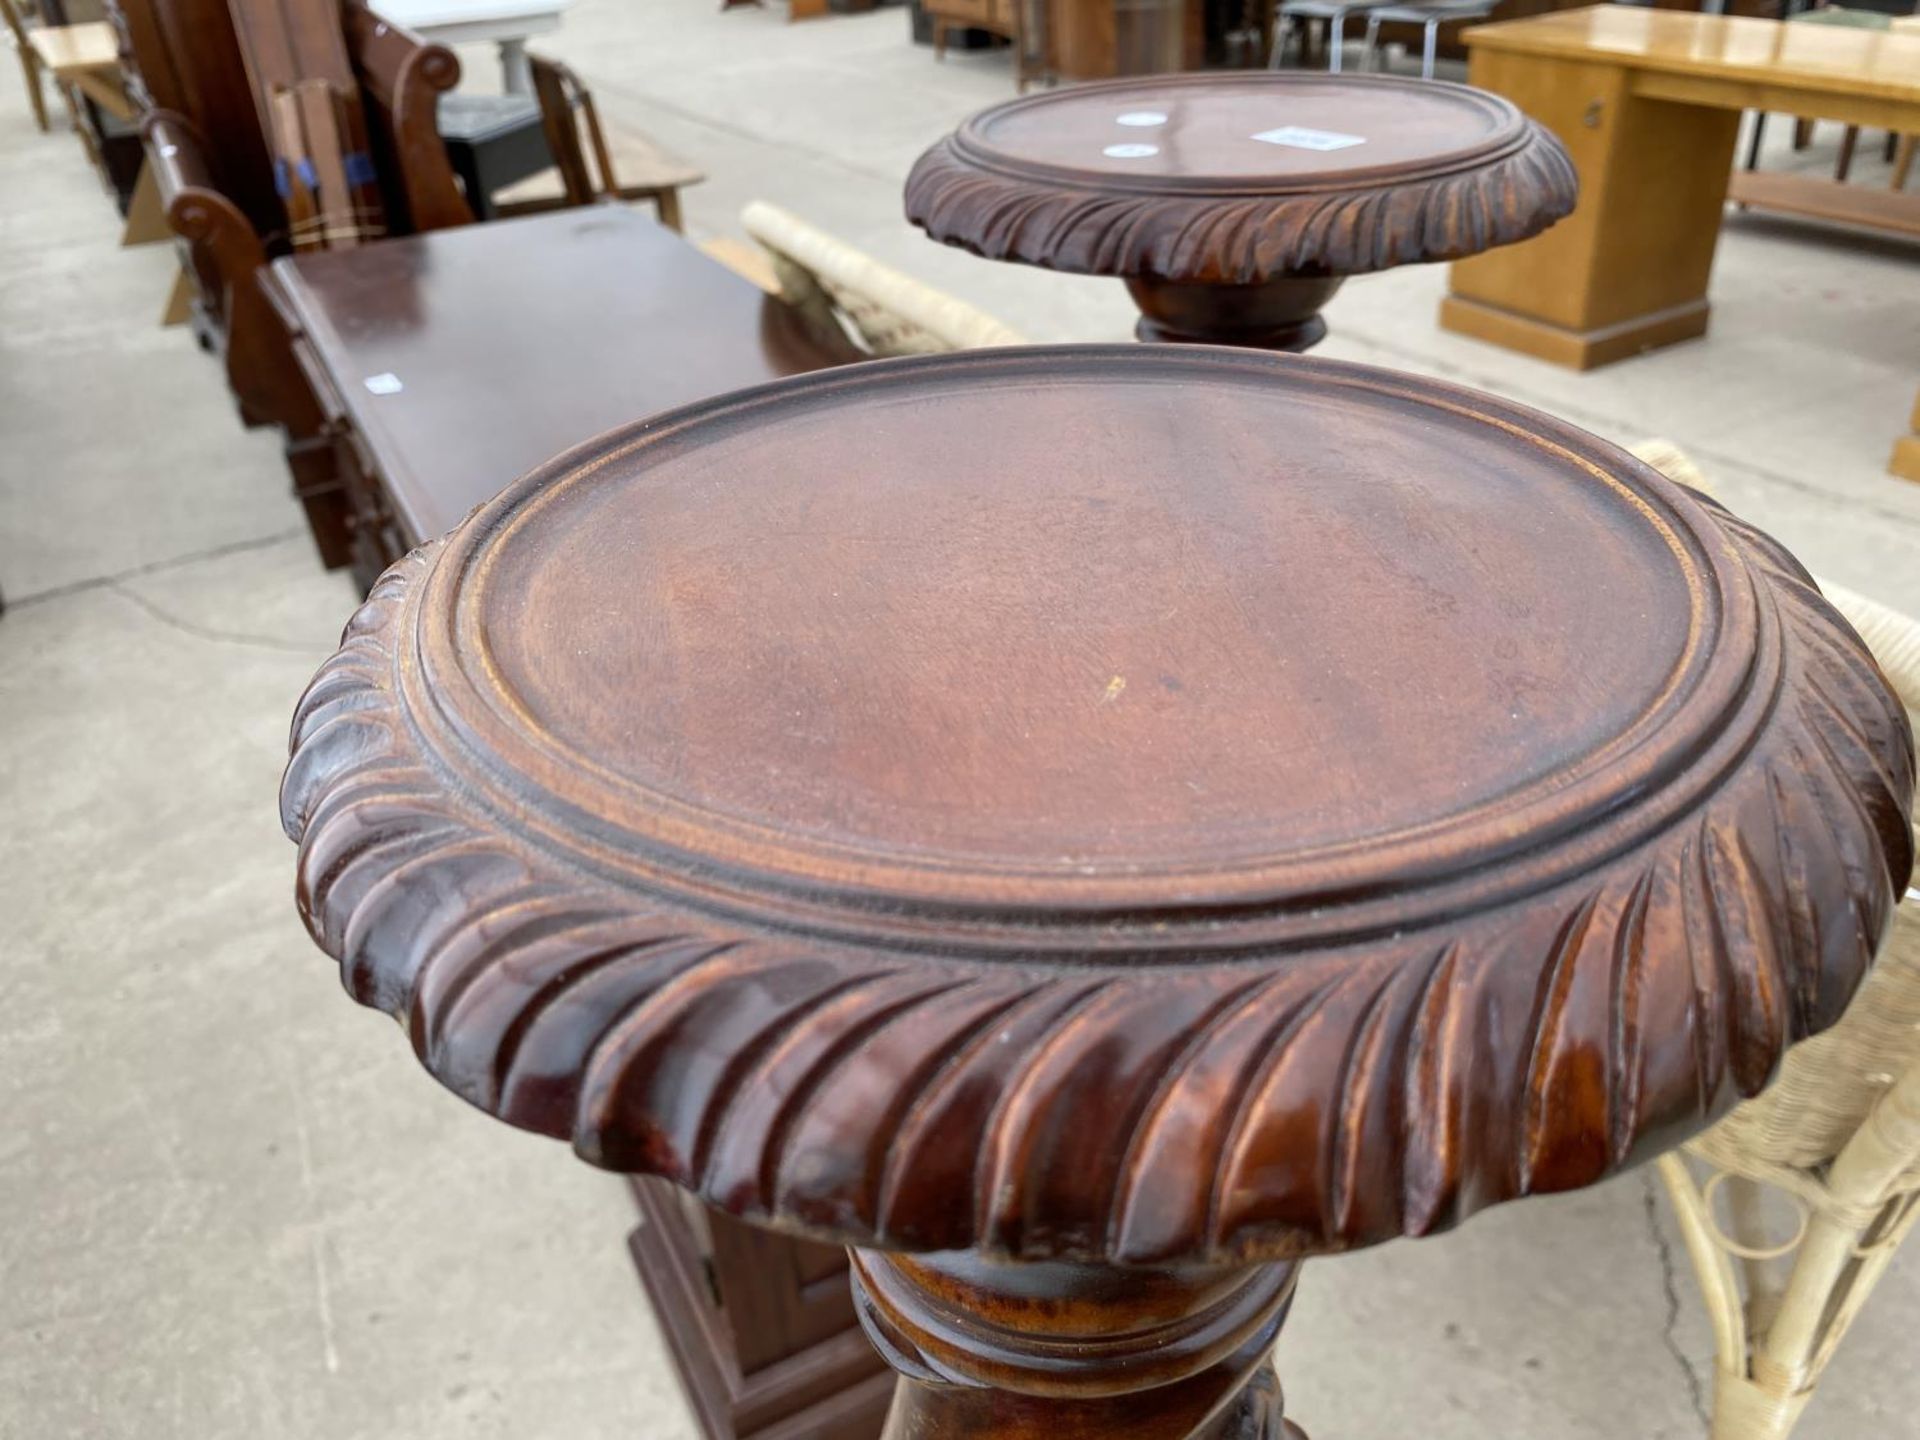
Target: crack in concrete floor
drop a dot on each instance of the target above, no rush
(1670, 1288)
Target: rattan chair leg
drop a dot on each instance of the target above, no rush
(1848, 1243)
(1712, 1266)
(1763, 1283)
(1771, 1348)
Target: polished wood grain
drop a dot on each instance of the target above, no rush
(512, 341)
(1122, 818)
(1840, 63)
(1203, 193)
(1648, 103)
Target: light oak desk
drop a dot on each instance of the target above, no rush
(1648, 103)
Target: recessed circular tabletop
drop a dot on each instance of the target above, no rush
(1132, 803)
(1125, 628)
(1239, 132)
(1240, 178)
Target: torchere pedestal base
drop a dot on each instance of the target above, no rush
(1281, 314)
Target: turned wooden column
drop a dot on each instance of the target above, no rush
(1235, 204)
(1075, 1351)
(1089, 828)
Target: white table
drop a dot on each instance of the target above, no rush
(507, 23)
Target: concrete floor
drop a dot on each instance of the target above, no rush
(233, 1205)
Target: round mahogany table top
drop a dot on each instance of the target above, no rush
(1133, 803)
(1239, 177)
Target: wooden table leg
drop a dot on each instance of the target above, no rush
(1906, 450)
(1627, 271)
(989, 1350)
(516, 73)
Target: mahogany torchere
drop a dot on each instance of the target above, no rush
(1234, 205)
(1089, 827)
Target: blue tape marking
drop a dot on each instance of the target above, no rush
(307, 174)
(282, 183)
(360, 169)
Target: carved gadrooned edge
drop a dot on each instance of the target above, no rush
(1206, 1113)
(1223, 239)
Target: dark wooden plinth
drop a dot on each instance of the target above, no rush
(761, 1328)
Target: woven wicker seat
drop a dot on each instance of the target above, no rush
(884, 311)
(1837, 1135)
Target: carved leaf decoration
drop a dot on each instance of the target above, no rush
(1269, 1104)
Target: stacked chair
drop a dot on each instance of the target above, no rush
(221, 186)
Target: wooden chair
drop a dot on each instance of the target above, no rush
(566, 107)
(1836, 1136)
(29, 64)
(209, 157)
(83, 60)
(402, 79)
(1022, 23)
(883, 311)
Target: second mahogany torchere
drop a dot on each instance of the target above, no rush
(1090, 827)
(1234, 205)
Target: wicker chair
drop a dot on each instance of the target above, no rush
(1837, 1136)
(884, 311)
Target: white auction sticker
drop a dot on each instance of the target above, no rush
(1144, 119)
(1130, 152)
(1298, 137)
